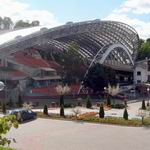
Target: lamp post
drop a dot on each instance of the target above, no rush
(106, 95)
(142, 114)
(148, 89)
(2, 85)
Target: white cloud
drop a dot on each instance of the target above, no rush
(18, 10)
(134, 6)
(141, 27)
(141, 7)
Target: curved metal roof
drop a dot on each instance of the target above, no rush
(91, 36)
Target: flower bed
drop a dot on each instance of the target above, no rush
(91, 117)
(87, 114)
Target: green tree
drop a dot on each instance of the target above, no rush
(144, 50)
(101, 111)
(62, 113)
(6, 123)
(20, 101)
(10, 103)
(1, 23)
(7, 23)
(99, 77)
(125, 114)
(143, 105)
(45, 110)
(108, 101)
(35, 23)
(61, 100)
(4, 108)
(88, 102)
(73, 66)
(125, 103)
(22, 24)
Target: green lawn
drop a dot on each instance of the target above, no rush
(6, 148)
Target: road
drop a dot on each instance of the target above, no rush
(46, 134)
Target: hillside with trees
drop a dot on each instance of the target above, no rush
(6, 23)
(144, 50)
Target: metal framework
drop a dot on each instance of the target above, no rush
(113, 43)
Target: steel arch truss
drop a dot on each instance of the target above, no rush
(116, 55)
(91, 36)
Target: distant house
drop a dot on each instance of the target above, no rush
(142, 71)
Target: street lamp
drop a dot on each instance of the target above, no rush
(142, 114)
(148, 89)
(105, 94)
(2, 85)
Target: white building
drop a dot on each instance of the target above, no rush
(142, 71)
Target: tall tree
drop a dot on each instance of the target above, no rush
(7, 23)
(1, 23)
(144, 50)
(35, 23)
(73, 64)
(99, 77)
(125, 114)
(101, 111)
(22, 24)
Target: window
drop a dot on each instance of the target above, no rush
(138, 73)
(138, 81)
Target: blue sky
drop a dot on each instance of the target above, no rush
(56, 12)
(76, 10)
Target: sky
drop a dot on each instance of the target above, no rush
(136, 13)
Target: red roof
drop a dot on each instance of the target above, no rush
(32, 62)
(18, 73)
(13, 74)
(29, 60)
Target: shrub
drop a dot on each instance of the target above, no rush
(79, 104)
(148, 104)
(118, 106)
(125, 114)
(62, 114)
(76, 111)
(101, 111)
(4, 108)
(68, 105)
(88, 102)
(10, 103)
(143, 105)
(45, 110)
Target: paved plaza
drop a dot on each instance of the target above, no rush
(46, 134)
(133, 110)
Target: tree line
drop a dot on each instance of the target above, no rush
(144, 49)
(7, 23)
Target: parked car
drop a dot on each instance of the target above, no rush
(23, 114)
